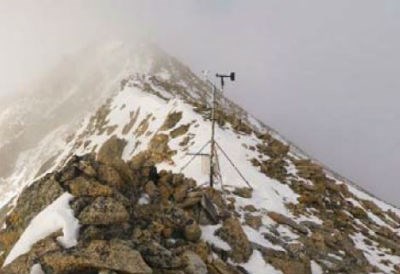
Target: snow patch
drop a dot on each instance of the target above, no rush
(208, 234)
(56, 216)
(255, 237)
(375, 256)
(257, 265)
(37, 269)
(316, 268)
(144, 200)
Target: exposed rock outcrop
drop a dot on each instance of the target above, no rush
(150, 227)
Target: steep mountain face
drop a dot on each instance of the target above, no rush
(287, 215)
(33, 129)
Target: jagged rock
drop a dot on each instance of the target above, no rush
(87, 168)
(232, 233)
(139, 160)
(110, 176)
(70, 170)
(104, 211)
(172, 119)
(389, 243)
(23, 264)
(274, 168)
(81, 186)
(79, 203)
(179, 131)
(249, 208)
(243, 192)
(394, 216)
(295, 249)
(195, 264)
(290, 266)
(125, 172)
(160, 151)
(159, 257)
(219, 267)
(253, 221)
(180, 192)
(114, 231)
(282, 219)
(239, 125)
(370, 205)
(96, 255)
(274, 148)
(150, 188)
(190, 201)
(202, 249)
(31, 201)
(192, 232)
(311, 225)
(318, 240)
(111, 150)
(110, 153)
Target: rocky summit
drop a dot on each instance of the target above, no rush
(114, 188)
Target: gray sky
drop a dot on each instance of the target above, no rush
(323, 73)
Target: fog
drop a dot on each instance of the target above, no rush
(323, 73)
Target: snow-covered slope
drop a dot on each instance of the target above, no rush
(162, 110)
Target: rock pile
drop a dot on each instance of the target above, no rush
(136, 219)
(133, 219)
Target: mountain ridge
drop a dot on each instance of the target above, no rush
(155, 116)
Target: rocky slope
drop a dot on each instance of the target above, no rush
(122, 176)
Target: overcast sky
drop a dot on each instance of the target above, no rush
(323, 73)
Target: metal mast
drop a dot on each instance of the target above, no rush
(213, 156)
(212, 146)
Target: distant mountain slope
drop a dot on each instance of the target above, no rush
(300, 217)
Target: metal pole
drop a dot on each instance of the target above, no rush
(212, 147)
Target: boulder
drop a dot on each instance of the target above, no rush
(274, 148)
(159, 257)
(288, 266)
(250, 208)
(24, 263)
(254, 221)
(81, 186)
(195, 264)
(180, 192)
(192, 232)
(97, 255)
(32, 200)
(282, 219)
(172, 119)
(111, 150)
(150, 188)
(160, 150)
(217, 266)
(244, 192)
(110, 176)
(179, 131)
(232, 233)
(104, 211)
(87, 168)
